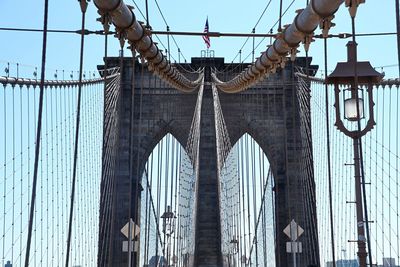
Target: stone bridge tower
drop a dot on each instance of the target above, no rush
(270, 112)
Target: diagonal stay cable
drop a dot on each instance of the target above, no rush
(165, 21)
(158, 38)
(83, 5)
(39, 128)
(328, 146)
(166, 24)
(161, 13)
(255, 26)
(259, 43)
(262, 40)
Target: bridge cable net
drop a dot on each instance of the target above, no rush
(381, 161)
(111, 124)
(303, 97)
(189, 172)
(18, 122)
(139, 36)
(247, 203)
(228, 183)
(317, 12)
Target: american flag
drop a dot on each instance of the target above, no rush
(205, 37)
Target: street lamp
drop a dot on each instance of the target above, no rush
(235, 245)
(235, 250)
(168, 218)
(168, 227)
(343, 75)
(353, 106)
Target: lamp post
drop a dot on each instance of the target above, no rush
(168, 227)
(353, 107)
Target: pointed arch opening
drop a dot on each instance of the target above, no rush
(165, 203)
(247, 206)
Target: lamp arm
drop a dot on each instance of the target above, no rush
(339, 123)
(371, 121)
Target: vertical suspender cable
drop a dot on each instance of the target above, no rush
(21, 177)
(280, 16)
(39, 128)
(131, 151)
(64, 100)
(252, 53)
(149, 206)
(46, 159)
(398, 32)
(243, 199)
(287, 188)
(5, 171)
(254, 183)
(328, 150)
(83, 5)
(397, 173)
(103, 168)
(273, 206)
(165, 184)
(13, 173)
(276, 189)
(169, 51)
(364, 199)
(53, 162)
(159, 154)
(147, 14)
(149, 184)
(296, 102)
(263, 205)
(383, 172)
(298, 107)
(105, 135)
(105, 25)
(177, 169)
(172, 171)
(39, 221)
(376, 184)
(109, 186)
(248, 194)
(135, 211)
(147, 222)
(239, 252)
(389, 163)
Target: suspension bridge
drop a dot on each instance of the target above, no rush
(154, 159)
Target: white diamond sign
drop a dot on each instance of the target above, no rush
(294, 247)
(293, 230)
(134, 246)
(134, 229)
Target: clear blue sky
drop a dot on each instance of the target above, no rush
(224, 16)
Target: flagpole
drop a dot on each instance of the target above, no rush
(208, 29)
